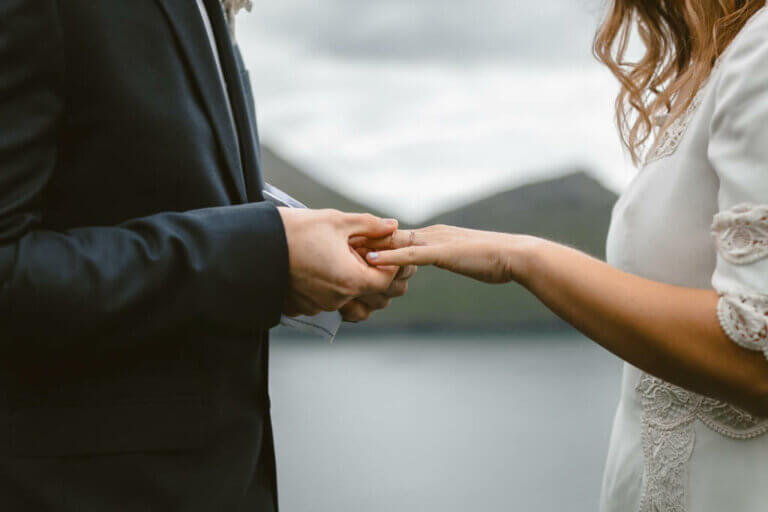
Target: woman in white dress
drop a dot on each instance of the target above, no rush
(684, 296)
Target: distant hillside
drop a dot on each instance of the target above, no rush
(574, 210)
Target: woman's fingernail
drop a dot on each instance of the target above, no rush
(391, 222)
(373, 255)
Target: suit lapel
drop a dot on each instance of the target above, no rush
(234, 75)
(253, 175)
(185, 18)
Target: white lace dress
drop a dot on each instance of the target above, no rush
(696, 215)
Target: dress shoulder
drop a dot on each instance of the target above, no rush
(750, 42)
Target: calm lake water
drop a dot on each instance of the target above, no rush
(445, 423)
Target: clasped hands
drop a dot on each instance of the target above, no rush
(355, 263)
(328, 273)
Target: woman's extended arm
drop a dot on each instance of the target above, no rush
(707, 341)
(668, 331)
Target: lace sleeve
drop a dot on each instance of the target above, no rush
(738, 153)
(744, 320)
(741, 236)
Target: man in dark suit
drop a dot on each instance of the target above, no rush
(140, 269)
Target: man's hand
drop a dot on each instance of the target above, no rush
(360, 309)
(326, 273)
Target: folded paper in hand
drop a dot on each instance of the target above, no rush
(325, 325)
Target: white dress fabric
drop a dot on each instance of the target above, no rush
(696, 215)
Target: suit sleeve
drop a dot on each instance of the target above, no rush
(224, 268)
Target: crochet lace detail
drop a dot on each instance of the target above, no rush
(669, 417)
(741, 233)
(744, 318)
(741, 236)
(670, 138)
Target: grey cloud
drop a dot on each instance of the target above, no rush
(429, 30)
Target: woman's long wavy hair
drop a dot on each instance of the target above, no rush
(683, 39)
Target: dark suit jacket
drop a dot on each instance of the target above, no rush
(139, 267)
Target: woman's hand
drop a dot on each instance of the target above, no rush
(482, 255)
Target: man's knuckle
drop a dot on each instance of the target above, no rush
(395, 290)
(358, 312)
(406, 273)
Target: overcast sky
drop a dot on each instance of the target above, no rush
(417, 106)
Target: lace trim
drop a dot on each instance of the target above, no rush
(745, 320)
(669, 437)
(670, 139)
(741, 233)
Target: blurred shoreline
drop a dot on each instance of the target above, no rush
(441, 330)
